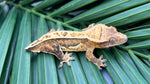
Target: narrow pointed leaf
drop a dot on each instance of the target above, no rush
(145, 71)
(140, 45)
(72, 5)
(6, 32)
(105, 9)
(139, 34)
(21, 64)
(77, 71)
(61, 74)
(45, 3)
(3, 11)
(97, 11)
(93, 74)
(74, 73)
(129, 16)
(146, 54)
(116, 72)
(129, 67)
(24, 2)
(11, 50)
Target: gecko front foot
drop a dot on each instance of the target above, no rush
(66, 58)
(100, 62)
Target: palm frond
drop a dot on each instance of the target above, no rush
(23, 21)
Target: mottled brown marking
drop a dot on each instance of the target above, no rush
(64, 33)
(43, 48)
(46, 36)
(73, 34)
(56, 33)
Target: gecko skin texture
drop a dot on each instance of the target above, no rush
(94, 36)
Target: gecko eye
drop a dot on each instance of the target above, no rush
(112, 40)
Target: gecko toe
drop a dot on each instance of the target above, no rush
(72, 58)
(104, 60)
(99, 68)
(68, 63)
(104, 65)
(68, 54)
(101, 57)
(60, 65)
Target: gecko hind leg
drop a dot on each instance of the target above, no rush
(64, 58)
(56, 50)
(98, 62)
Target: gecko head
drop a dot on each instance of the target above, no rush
(114, 37)
(108, 36)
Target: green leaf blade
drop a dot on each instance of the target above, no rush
(93, 74)
(105, 9)
(129, 67)
(21, 65)
(139, 34)
(140, 45)
(96, 12)
(145, 71)
(114, 68)
(45, 4)
(9, 58)
(129, 16)
(77, 71)
(72, 5)
(6, 34)
(3, 11)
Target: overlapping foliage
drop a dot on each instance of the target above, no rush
(23, 21)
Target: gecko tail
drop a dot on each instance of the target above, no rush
(28, 48)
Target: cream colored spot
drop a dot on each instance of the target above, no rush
(75, 47)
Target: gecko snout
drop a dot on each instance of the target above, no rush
(122, 38)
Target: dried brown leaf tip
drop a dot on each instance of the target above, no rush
(94, 36)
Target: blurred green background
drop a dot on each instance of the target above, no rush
(23, 21)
